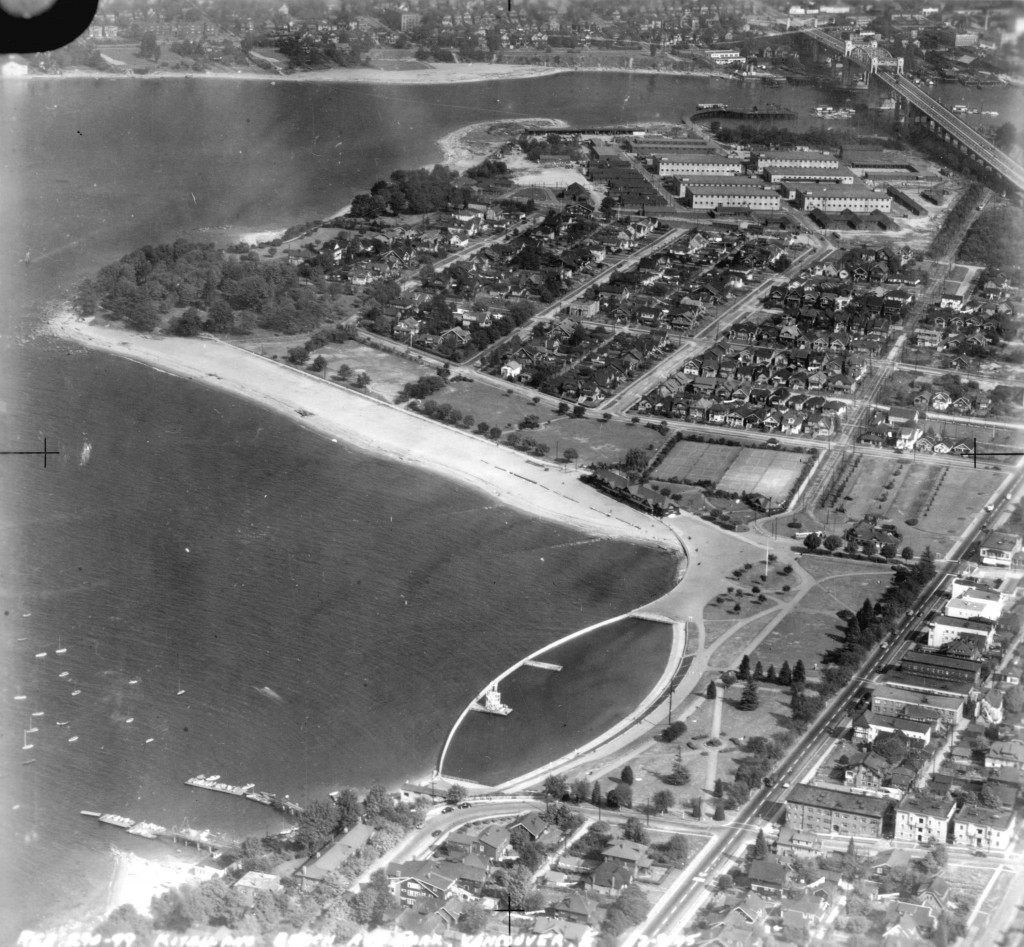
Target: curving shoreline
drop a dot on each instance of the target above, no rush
(361, 421)
(433, 74)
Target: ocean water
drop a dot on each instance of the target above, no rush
(328, 614)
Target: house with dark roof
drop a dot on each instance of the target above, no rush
(768, 877)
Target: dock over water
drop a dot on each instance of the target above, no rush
(751, 114)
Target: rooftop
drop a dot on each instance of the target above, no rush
(998, 819)
(855, 803)
(935, 808)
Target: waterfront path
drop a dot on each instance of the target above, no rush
(712, 553)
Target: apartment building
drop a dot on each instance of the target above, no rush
(673, 165)
(832, 811)
(923, 820)
(840, 197)
(985, 829)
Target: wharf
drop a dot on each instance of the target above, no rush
(248, 791)
(751, 114)
(199, 838)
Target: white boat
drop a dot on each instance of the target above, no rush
(76, 693)
(25, 745)
(63, 674)
(38, 713)
(40, 654)
(150, 739)
(130, 720)
(989, 112)
(62, 723)
(959, 108)
(72, 739)
(20, 697)
(32, 728)
(181, 690)
(60, 648)
(134, 680)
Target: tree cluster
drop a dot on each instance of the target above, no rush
(412, 192)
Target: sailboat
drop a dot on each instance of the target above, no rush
(181, 690)
(25, 745)
(32, 728)
(60, 648)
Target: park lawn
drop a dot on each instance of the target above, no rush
(604, 442)
(388, 372)
(656, 760)
(719, 623)
(813, 627)
(502, 407)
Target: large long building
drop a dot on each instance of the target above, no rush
(839, 175)
(730, 194)
(840, 197)
(795, 160)
(917, 705)
(676, 164)
(831, 811)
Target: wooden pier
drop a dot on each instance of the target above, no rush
(773, 112)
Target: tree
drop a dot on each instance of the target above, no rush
(1006, 136)
(673, 731)
(761, 845)
(630, 908)
(362, 380)
(570, 454)
(621, 797)
(712, 691)
(662, 801)
(758, 672)
(455, 794)
(344, 372)
(831, 542)
(680, 775)
(319, 365)
(889, 550)
(799, 674)
(148, 48)
(744, 671)
(579, 411)
(627, 775)
(785, 675)
(474, 918)
(633, 831)
(748, 699)
(579, 790)
(719, 815)
(771, 677)
(719, 789)
(556, 787)
(892, 747)
(596, 794)
(86, 298)
(317, 823)
(907, 553)
(378, 803)
(1013, 699)
(988, 797)
(812, 540)
(189, 324)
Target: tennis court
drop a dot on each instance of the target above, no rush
(733, 469)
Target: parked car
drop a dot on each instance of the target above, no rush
(447, 809)
(691, 744)
(465, 805)
(436, 833)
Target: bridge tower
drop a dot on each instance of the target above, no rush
(899, 65)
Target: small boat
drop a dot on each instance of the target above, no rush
(62, 723)
(72, 739)
(20, 697)
(180, 691)
(76, 693)
(25, 745)
(134, 680)
(26, 762)
(130, 720)
(63, 674)
(90, 813)
(40, 654)
(150, 739)
(989, 112)
(32, 728)
(60, 648)
(38, 713)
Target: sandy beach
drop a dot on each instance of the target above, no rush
(437, 73)
(344, 415)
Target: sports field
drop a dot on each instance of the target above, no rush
(734, 469)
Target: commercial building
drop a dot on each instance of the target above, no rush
(897, 702)
(941, 666)
(674, 165)
(795, 160)
(943, 629)
(923, 820)
(974, 602)
(869, 726)
(831, 811)
(729, 194)
(839, 197)
(998, 549)
(983, 828)
(723, 57)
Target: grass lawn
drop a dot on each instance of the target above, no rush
(812, 628)
(735, 469)
(388, 372)
(655, 761)
(499, 407)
